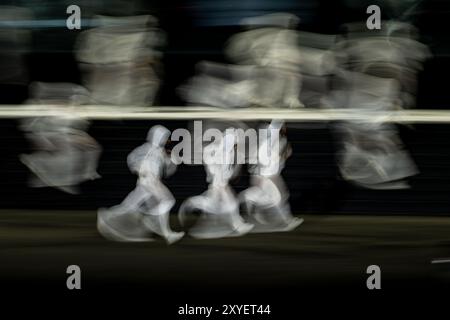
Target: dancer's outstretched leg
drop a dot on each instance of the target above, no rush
(230, 210)
(156, 218)
(288, 221)
(124, 221)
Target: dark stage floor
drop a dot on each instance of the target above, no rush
(326, 251)
(320, 266)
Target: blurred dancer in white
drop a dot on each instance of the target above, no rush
(120, 58)
(375, 71)
(270, 45)
(65, 155)
(266, 200)
(146, 209)
(266, 69)
(219, 205)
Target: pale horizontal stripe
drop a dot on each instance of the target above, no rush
(194, 113)
(436, 261)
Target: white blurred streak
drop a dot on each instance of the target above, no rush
(65, 155)
(317, 64)
(220, 85)
(62, 93)
(119, 59)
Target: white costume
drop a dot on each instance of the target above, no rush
(220, 208)
(146, 209)
(266, 70)
(120, 58)
(271, 47)
(65, 154)
(376, 72)
(266, 200)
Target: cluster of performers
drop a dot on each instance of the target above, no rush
(272, 64)
(145, 211)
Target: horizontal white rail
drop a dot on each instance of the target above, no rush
(247, 114)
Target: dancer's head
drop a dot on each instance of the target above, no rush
(158, 135)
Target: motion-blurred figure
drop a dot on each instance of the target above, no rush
(220, 85)
(376, 72)
(374, 157)
(65, 155)
(266, 201)
(219, 206)
(146, 209)
(271, 47)
(120, 58)
(266, 70)
(316, 66)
